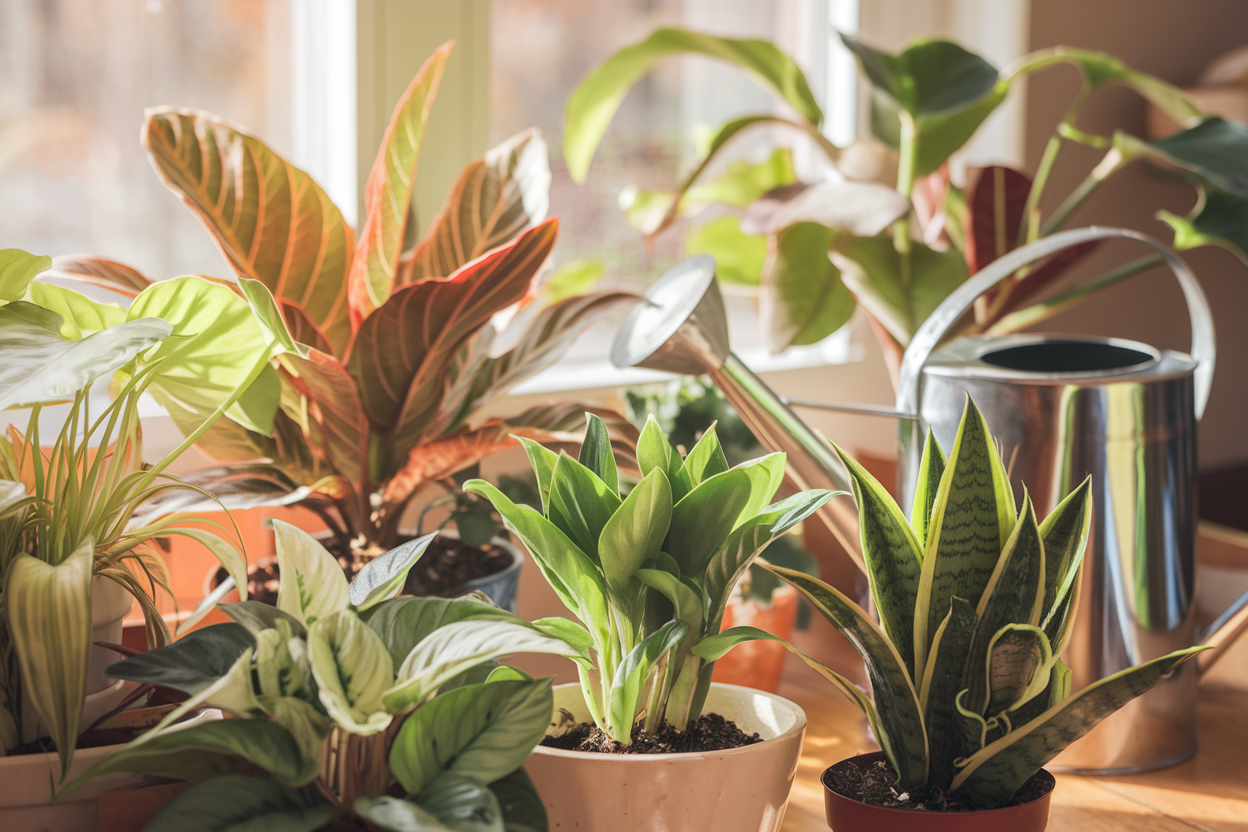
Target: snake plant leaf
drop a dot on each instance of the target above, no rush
(496, 197)
(404, 622)
(992, 775)
(892, 555)
(1019, 661)
(270, 220)
(555, 554)
(48, 610)
(706, 459)
(1219, 219)
(523, 809)
(593, 104)
(969, 524)
(353, 670)
(480, 731)
(453, 648)
(581, 504)
(257, 617)
(1014, 595)
(942, 681)
(17, 269)
(42, 365)
(872, 269)
(313, 585)
(634, 533)
(739, 257)
(1056, 624)
(802, 299)
(191, 663)
(654, 451)
(896, 700)
(388, 192)
(233, 802)
(1065, 536)
(630, 678)
(80, 316)
(596, 452)
(462, 804)
(383, 577)
(931, 469)
(542, 460)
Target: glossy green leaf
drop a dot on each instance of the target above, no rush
(269, 316)
(1216, 149)
(635, 532)
(706, 459)
(654, 451)
(942, 681)
(480, 731)
(1219, 219)
(931, 469)
(686, 601)
(581, 504)
(17, 269)
(523, 808)
(313, 585)
(353, 671)
(383, 577)
(232, 802)
(542, 460)
(257, 617)
(404, 622)
(593, 104)
(1065, 536)
(739, 257)
(596, 452)
(80, 316)
(462, 804)
(803, 299)
(624, 697)
(191, 663)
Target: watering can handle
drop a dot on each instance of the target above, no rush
(951, 309)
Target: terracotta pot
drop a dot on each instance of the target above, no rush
(759, 664)
(739, 790)
(848, 815)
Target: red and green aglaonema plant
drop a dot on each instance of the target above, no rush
(386, 347)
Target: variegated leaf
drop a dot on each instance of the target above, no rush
(1065, 536)
(931, 469)
(942, 681)
(352, 670)
(1019, 660)
(334, 404)
(313, 585)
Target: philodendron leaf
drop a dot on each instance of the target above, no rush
(462, 804)
(48, 608)
(453, 648)
(404, 622)
(383, 577)
(994, 774)
(42, 365)
(313, 585)
(523, 809)
(191, 663)
(803, 299)
(232, 802)
(1219, 219)
(17, 269)
(593, 104)
(1214, 150)
(931, 469)
(596, 452)
(353, 671)
(635, 532)
(480, 731)
(80, 316)
(626, 688)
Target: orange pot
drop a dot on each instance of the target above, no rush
(758, 664)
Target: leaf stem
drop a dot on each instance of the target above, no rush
(1031, 211)
(1114, 161)
(907, 160)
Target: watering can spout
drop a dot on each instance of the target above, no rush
(681, 328)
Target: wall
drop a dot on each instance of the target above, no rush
(1174, 41)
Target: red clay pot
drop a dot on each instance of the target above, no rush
(845, 814)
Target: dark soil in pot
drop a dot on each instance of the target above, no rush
(870, 779)
(443, 570)
(710, 732)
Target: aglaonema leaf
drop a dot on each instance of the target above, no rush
(383, 577)
(191, 663)
(635, 532)
(353, 671)
(404, 622)
(706, 459)
(313, 585)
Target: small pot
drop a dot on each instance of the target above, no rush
(739, 790)
(845, 814)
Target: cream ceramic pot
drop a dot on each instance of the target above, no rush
(739, 790)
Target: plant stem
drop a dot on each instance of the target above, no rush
(1114, 160)
(1031, 212)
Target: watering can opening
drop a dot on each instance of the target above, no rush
(1057, 355)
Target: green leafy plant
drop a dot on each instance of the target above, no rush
(900, 242)
(78, 510)
(387, 345)
(975, 600)
(316, 689)
(647, 575)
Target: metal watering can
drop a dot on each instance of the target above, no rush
(1062, 407)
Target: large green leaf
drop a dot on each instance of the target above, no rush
(80, 316)
(353, 671)
(17, 269)
(581, 504)
(496, 197)
(803, 299)
(272, 222)
(42, 365)
(404, 622)
(383, 577)
(1219, 219)
(48, 611)
(1216, 149)
(480, 731)
(635, 532)
(654, 451)
(993, 775)
(942, 681)
(596, 452)
(232, 802)
(313, 585)
(739, 257)
(593, 104)
(388, 192)
(523, 809)
(191, 663)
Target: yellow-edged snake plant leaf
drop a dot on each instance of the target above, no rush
(942, 682)
(931, 469)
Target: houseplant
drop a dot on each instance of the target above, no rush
(899, 242)
(648, 576)
(308, 685)
(975, 599)
(389, 345)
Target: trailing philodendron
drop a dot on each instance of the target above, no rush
(648, 574)
(975, 600)
(311, 685)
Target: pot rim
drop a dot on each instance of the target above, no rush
(879, 755)
(798, 727)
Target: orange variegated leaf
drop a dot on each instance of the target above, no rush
(97, 271)
(334, 405)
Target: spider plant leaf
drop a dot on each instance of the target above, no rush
(581, 504)
(972, 518)
(480, 731)
(353, 671)
(896, 699)
(705, 460)
(383, 577)
(17, 269)
(991, 776)
(624, 697)
(48, 611)
(931, 469)
(596, 452)
(892, 554)
(1065, 536)
(191, 663)
(634, 533)
(942, 681)
(313, 585)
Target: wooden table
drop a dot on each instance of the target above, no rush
(1208, 792)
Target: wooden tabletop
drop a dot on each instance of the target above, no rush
(1208, 792)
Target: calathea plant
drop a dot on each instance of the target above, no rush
(391, 342)
(649, 574)
(316, 689)
(975, 600)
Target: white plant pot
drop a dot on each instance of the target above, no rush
(739, 790)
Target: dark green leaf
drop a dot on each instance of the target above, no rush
(523, 810)
(462, 804)
(931, 469)
(1065, 536)
(1219, 219)
(1216, 149)
(257, 616)
(942, 680)
(596, 452)
(233, 802)
(191, 663)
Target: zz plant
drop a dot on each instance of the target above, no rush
(309, 684)
(975, 600)
(648, 574)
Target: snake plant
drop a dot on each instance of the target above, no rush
(310, 686)
(648, 574)
(975, 599)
